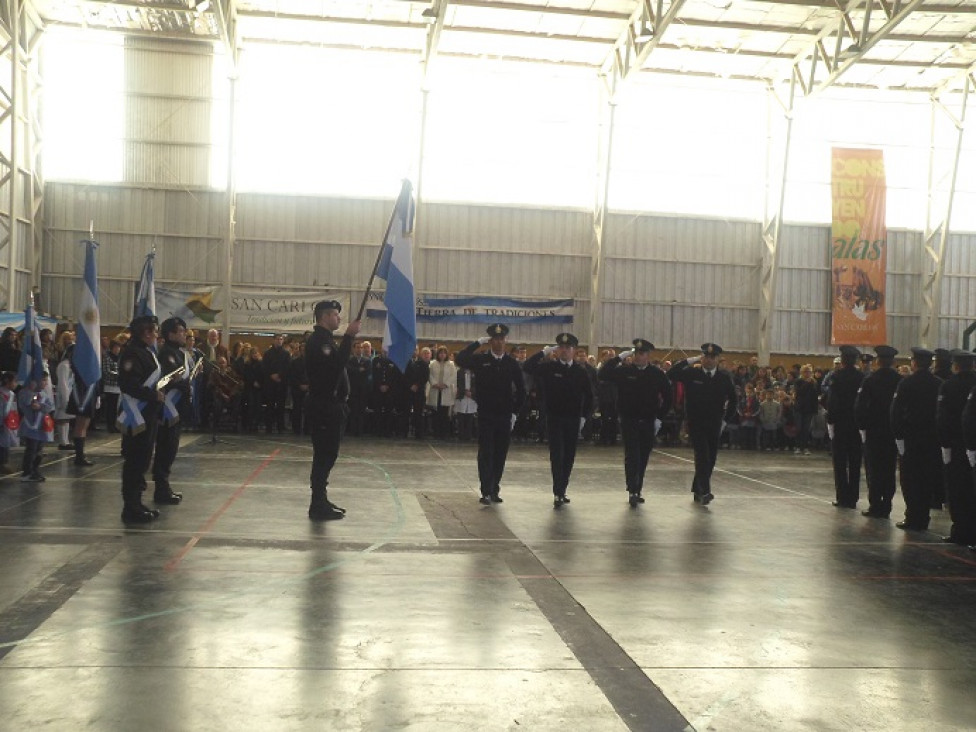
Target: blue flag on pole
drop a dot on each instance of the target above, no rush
(396, 267)
(86, 358)
(146, 288)
(31, 366)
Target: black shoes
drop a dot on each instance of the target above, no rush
(325, 511)
(839, 504)
(908, 526)
(139, 514)
(871, 513)
(706, 498)
(485, 501)
(66, 447)
(632, 500)
(495, 498)
(558, 501)
(167, 499)
(83, 461)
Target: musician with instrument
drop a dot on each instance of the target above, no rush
(175, 364)
(225, 389)
(139, 372)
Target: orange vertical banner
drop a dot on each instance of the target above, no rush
(859, 247)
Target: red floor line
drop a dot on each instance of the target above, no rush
(173, 563)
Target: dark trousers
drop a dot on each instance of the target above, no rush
(137, 452)
(881, 461)
(110, 407)
(704, 440)
(563, 433)
(961, 496)
(32, 456)
(608, 428)
(921, 471)
(167, 446)
(418, 409)
(297, 405)
(274, 414)
(494, 436)
(357, 414)
(326, 425)
(638, 437)
(845, 451)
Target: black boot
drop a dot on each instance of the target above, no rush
(321, 509)
(80, 458)
(164, 495)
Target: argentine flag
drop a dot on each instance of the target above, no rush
(396, 267)
(87, 355)
(146, 288)
(31, 366)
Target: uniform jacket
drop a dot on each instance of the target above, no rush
(914, 405)
(171, 357)
(707, 400)
(872, 406)
(642, 393)
(501, 389)
(136, 363)
(566, 387)
(952, 399)
(325, 363)
(843, 394)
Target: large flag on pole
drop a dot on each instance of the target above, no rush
(86, 358)
(396, 267)
(146, 288)
(31, 366)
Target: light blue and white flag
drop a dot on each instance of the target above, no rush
(146, 288)
(396, 267)
(86, 358)
(31, 366)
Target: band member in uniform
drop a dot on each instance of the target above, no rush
(845, 442)
(644, 395)
(139, 418)
(501, 393)
(568, 402)
(959, 489)
(710, 402)
(325, 361)
(872, 413)
(176, 408)
(916, 439)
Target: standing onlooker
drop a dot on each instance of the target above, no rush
(275, 361)
(607, 402)
(9, 353)
(748, 409)
(845, 442)
(415, 394)
(806, 396)
(110, 384)
(501, 392)
(465, 405)
(9, 420)
(359, 371)
(770, 418)
(296, 381)
(442, 378)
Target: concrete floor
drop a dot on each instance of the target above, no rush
(423, 610)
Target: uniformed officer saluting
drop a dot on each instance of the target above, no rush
(710, 401)
(139, 416)
(872, 413)
(913, 426)
(644, 395)
(501, 391)
(569, 396)
(325, 362)
(176, 406)
(960, 492)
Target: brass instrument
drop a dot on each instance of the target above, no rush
(164, 381)
(225, 382)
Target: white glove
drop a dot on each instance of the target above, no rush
(946, 455)
(900, 444)
(657, 426)
(514, 417)
(971, 454)
(548, 349)
(483, 340)
(582, 422)
(624, 355)
(830, 431)
(693, 360)
(864, 435)
(722, 428)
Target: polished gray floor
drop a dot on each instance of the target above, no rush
(424, 610)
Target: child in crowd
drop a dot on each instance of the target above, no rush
(9, 420)
(36, 426)
(748, 418)
(789, 424)
(770, 417)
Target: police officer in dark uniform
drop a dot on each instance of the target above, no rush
(358, 369)
(386, 380)
(644, 395)
(501, 392)
(845, 442)
(139, 371)
(872, 414)
(325, 361)
(913, 427)
(414, 402)
(866, 360)
(568, 398)
(942, 367)
(710, 401)
(959, 488)
(969, 430)
(275, 364)
(176, 408)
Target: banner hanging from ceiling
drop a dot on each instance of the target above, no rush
(859, 247)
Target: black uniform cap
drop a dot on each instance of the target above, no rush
(642, 345)
(867, 357)
(567, 339)
(962, 356)
(942, 355)
(328, 305)
(850, 352)
(922, 356)
(497, 330)
(141, 321)
(886, 351)
(170, 325)
(711, 349)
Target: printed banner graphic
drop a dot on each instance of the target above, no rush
(859, 247)
(482, 310)
(250, 310)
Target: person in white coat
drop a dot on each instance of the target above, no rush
(440, 396)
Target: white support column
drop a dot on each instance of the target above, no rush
(230, 238)
(772, 224)
(942, 189)
(16, 117)
(604, 152)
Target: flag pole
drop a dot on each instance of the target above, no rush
(376, 265)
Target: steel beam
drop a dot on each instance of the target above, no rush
(772, 221)
(645, 28)
(941, 192)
